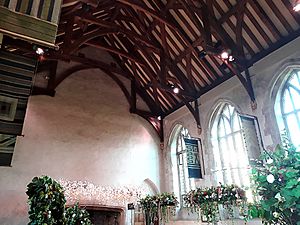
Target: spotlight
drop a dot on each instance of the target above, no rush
(224, 54)
(296, 7)
(39, 51)
(176, 90)
(230, 58)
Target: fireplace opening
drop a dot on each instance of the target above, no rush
(105, 215)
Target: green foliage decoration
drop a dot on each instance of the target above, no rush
(77, 216)
(46, 200)
(276, 179)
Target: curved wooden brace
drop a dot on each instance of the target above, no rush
(116, 51)
(85, 38)
(74, 69)
(118, 29)
(60, 78)
(148, 11)
(90, 62)
(154, 122)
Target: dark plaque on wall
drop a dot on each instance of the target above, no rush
(130, 206)
(193, 158)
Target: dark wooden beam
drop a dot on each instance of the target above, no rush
(88, 62)
(133, 97)
(232, 10)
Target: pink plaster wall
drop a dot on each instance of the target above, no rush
(84, 133)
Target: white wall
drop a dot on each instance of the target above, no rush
(266, 75)
(84, 133)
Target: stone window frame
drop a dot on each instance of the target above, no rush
(173, 150)
(276, 95)
(216, 111)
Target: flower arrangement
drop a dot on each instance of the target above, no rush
(277, 185)
(207, 200)
(158, 207)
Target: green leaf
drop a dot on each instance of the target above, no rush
(291, 183)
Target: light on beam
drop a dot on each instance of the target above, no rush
(176, 90)
(39, 51)
(296, 7)
(224, 55)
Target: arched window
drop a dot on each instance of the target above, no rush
(287, 107)
(231, 161)
(181, 181)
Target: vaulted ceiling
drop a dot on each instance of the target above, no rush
(159, 45)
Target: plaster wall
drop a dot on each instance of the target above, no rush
(266, 76)
(84, 133)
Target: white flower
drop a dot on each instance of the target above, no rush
(269, 161)
(270, 178)
(276, 214)
(279, 197)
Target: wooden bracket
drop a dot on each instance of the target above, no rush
(156, 122)
(195, 112)
(246, 82)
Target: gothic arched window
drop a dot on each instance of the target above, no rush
(231, 161)
(287, 107)
(181, 181)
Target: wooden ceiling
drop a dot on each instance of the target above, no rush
(161, 44)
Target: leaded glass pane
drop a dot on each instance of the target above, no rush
(226, 111)
(235, 123)
(294, 80)
(227, 126)
(221, 128)
(287, 102)
(295, 96)
(293, 127)
(231, 109)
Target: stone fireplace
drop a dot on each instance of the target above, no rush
(106, 215)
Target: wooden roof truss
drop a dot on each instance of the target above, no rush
(161, 44)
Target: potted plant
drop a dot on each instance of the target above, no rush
(47, 204)
(46, 200)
